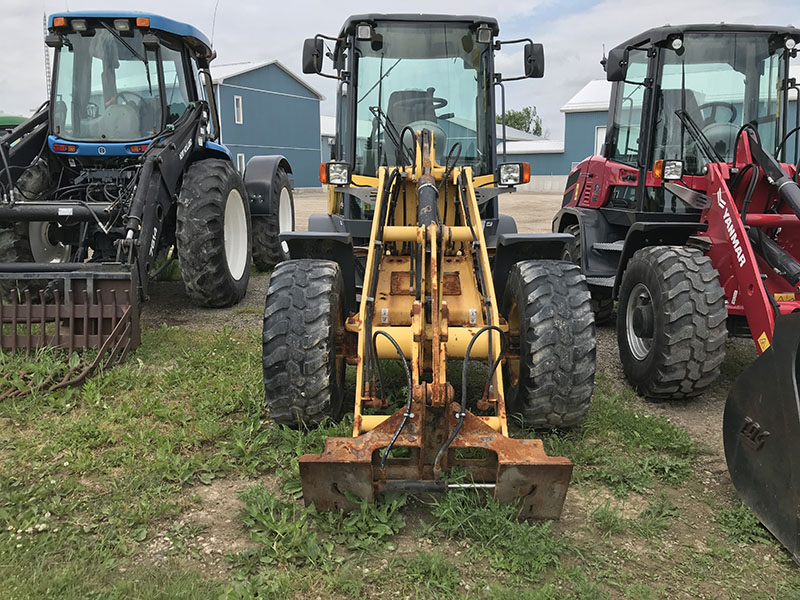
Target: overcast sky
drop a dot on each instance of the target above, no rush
(573, 33)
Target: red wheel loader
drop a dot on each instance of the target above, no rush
(690, 219)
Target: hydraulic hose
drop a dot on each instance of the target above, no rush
(463, 412)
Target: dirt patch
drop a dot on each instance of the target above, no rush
(209, 528)
(701, 416)
(169, 305)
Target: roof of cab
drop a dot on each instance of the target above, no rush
(656, 35)
(191, 34)
(350, 24)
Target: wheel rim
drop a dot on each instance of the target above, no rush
(285, 216)
(640, 297)
(43, 247)
(235, 232)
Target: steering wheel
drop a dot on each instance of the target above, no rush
(121, 96)
(714, 105)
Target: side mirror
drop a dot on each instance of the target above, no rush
(534, 60)
(313, 52)
(150, 41)
(617, 64)
(53, 40)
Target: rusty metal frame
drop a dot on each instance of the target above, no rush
(98, 308)
(448, 260)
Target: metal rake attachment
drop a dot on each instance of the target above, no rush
(94, 313)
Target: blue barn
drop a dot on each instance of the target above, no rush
(267, 109)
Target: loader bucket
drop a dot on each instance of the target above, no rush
(74, 307)
(761, 434)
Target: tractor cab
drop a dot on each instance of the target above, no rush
(680, 97)
(401, 74)
(122, 79)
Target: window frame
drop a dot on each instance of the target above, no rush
(238, 110)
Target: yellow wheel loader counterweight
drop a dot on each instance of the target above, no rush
(415, 264)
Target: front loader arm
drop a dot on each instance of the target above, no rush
(428, 297)
(156, 191)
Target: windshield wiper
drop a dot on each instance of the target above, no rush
(705, 145)
(389, 70)
(390, 129)
(133, 51)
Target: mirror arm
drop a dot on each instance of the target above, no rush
(343, 76)
(499, 43)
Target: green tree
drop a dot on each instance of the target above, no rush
(526, 119)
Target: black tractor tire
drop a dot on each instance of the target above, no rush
(602, 302)
(14, 248)
(671, 322)
(548, 302)
(267, 248)
(303, 314)
(213, 233)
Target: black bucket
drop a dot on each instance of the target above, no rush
(761, 434)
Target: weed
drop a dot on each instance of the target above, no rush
(527, 549)
(607, 519)
(429, 574)
(657, 517)
(741, 525)
(369, 526)
(283, 531)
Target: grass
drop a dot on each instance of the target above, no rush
(92, 479)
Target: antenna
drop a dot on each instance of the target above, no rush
(214, 23)
(46, 56)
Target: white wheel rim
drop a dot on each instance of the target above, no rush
(235, 232)
(285, 216)
(44, 250)
(640, 296)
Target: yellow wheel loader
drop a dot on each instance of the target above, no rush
(415, 263)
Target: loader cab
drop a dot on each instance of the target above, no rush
(119, 80)
(401, 73)
(430, 72)
(679, 100)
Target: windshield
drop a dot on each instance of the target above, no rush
(422, 75)
(106, 88)
(720, 82)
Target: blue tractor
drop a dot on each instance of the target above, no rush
(120, 172)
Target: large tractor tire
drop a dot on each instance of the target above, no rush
(213, 234)
(268, 250)
(671, 326)
(304, 312)
(548, 308)
(602, 303)
(30, 242)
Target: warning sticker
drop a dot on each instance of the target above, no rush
(784, 296)
(763, 342)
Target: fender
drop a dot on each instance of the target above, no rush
(493, 228)
(514, 247)
(258, 175)
(594, 227)
(642, 235)
(328, 246)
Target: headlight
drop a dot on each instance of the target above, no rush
(514, 173)
(334, 173)
(668, 169)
